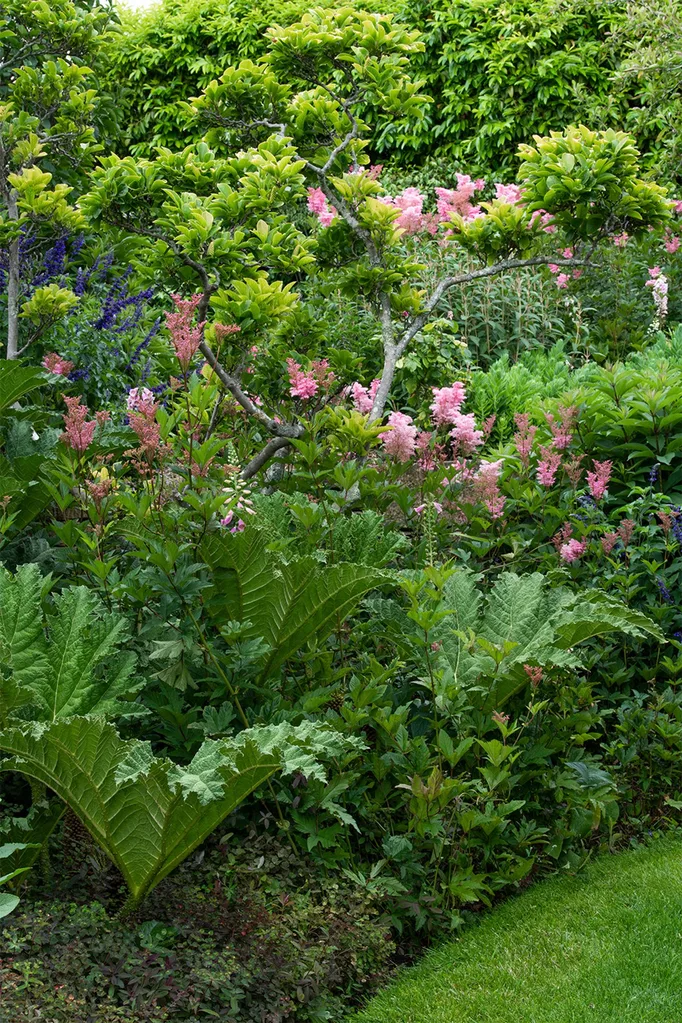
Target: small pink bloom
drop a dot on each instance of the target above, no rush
(78, 432)
(465, 436)
(446, 403)
(598, 480)
(508, 193)
(363, 398)
(54, 363)
(401, 440)
(548, 466)
(303, 384)
(562, 280)
(185, 337)
(572, 551)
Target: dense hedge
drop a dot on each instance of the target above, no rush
(497, 72)
(172, 52)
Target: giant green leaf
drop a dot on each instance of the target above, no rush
(16, 381)
(65, 662)
(145, 813)
(288, 604)
(148, 813)
(524, 620)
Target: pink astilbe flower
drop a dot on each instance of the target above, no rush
(562, 536)
(458, 200)
(319, 205)
(524, 437)
(401, 440)
(625, 531)
(185, 337)
(609, 541)
(548, 466)
(429, 454)
(598, 480)
(487, 490)
(143, 422)
(303, 384)
(466, 438)
(534, 673)
(562, 281)
(223, 330)
(446, 404)
(574, 470)
(573, 550)
(672, 242)
(363, 397)
(78, 432)
(488, 424)
(508, 193)
(410, 202)
(320, 370)
(562, 430)
(54, 363)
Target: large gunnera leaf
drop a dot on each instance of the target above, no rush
(287, 603)
(145, 812)
(524, 620)
(65, 662)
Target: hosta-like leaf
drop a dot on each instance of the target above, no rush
(287, 604)
(8, 903)
(16, 381)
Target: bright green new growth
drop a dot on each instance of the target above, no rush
(147, 813)
(64, 662)
(524, 620)
(286, 604)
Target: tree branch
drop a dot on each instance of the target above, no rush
(264, 456)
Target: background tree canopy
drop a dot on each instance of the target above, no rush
(497, 72)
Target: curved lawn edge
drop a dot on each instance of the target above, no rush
(605, 945)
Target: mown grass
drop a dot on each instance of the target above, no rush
(605, 946)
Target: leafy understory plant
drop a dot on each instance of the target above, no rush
(286, 604)
(8, 901)
(147, 813)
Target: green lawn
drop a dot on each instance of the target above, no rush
(605, 946)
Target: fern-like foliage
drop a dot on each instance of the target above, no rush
(148, 813)
(524, 620)
(287, 603)
(62, 662)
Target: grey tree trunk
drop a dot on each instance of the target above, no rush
(13, 285)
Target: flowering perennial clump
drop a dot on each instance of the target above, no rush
(400, 441)
(186, 338)
(79, 431)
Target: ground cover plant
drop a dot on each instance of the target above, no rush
(340, 522)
